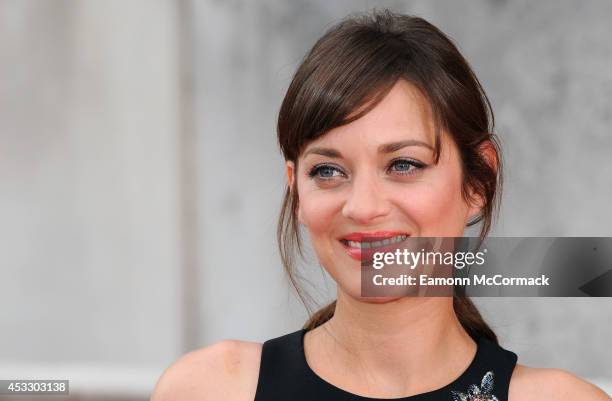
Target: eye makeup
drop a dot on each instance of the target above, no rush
(399, 166)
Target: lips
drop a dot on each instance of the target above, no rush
(361, 246)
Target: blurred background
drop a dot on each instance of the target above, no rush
(140, 179)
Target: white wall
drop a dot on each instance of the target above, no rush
(90, 195)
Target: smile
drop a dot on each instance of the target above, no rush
(362, 246)
(374, 243)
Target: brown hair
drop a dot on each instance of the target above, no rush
(346, 73)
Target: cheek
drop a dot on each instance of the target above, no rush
(436, 206)
(321, 212)
(318, 208)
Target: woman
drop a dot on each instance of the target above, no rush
(386, 132)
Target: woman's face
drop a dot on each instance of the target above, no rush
(377, 175)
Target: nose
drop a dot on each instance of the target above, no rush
(366, 201)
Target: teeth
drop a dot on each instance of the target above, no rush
(376, 244)
(399, 238)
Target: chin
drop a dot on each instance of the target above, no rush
(356, 295)
(379, 300)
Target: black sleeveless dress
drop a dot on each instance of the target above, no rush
(284, 375)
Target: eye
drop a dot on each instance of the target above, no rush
(406, 166)
(325, 172)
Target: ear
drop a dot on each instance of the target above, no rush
(290, 168)
(474, 206)
(489, 153)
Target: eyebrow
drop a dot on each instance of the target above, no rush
(384, 148)
(394, 146)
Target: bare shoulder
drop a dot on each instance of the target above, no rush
(551, 384)
(226, 370)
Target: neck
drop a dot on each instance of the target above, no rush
(406, 341)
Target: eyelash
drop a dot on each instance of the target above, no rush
(417, 167)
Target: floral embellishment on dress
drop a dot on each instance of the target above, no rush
(475, 393)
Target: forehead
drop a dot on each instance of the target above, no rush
(404, 113)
